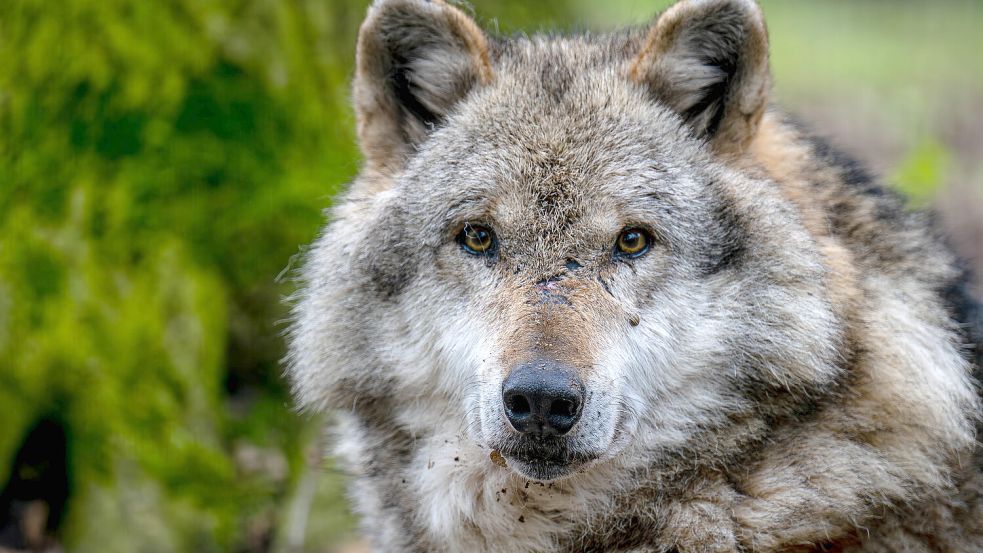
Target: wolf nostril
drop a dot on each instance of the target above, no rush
(519, 405)
(563, 408)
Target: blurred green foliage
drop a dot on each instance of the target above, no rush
(160, 164)
(925, 166)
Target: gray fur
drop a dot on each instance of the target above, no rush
(780, 372)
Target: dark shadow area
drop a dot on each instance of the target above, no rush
(32, 503)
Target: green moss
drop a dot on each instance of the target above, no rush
(159, 165)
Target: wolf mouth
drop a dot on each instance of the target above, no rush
(542, 471)
(545, 460)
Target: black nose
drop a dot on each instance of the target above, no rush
(543, 398)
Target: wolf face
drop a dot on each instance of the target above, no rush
(630, 288)
(593, 263)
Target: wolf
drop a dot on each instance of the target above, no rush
(594, 292)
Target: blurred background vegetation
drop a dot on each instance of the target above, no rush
(161, 162)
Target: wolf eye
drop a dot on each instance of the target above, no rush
(476, 239)
(633, 242)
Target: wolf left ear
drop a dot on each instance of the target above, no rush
(708, 60)
(415, 60)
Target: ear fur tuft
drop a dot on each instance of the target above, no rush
(708, 60)
(415, 60)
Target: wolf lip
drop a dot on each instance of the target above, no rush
(543, 471)
(525, 457)
(544, 462)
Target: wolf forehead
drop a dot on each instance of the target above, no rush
(553, 189)
(577, 146)
(559, 111)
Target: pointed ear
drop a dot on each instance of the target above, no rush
(708, 60)
(415, 60)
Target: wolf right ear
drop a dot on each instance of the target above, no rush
(708, 60)
(415, 60)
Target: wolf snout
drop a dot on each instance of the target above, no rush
(543, 398)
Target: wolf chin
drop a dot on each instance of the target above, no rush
(595, 293)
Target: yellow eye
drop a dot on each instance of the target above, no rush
(477, 239)
(633, 242)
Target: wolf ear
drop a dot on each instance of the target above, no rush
(708, 60)
(415, 60)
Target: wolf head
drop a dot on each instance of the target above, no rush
(550, 251)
